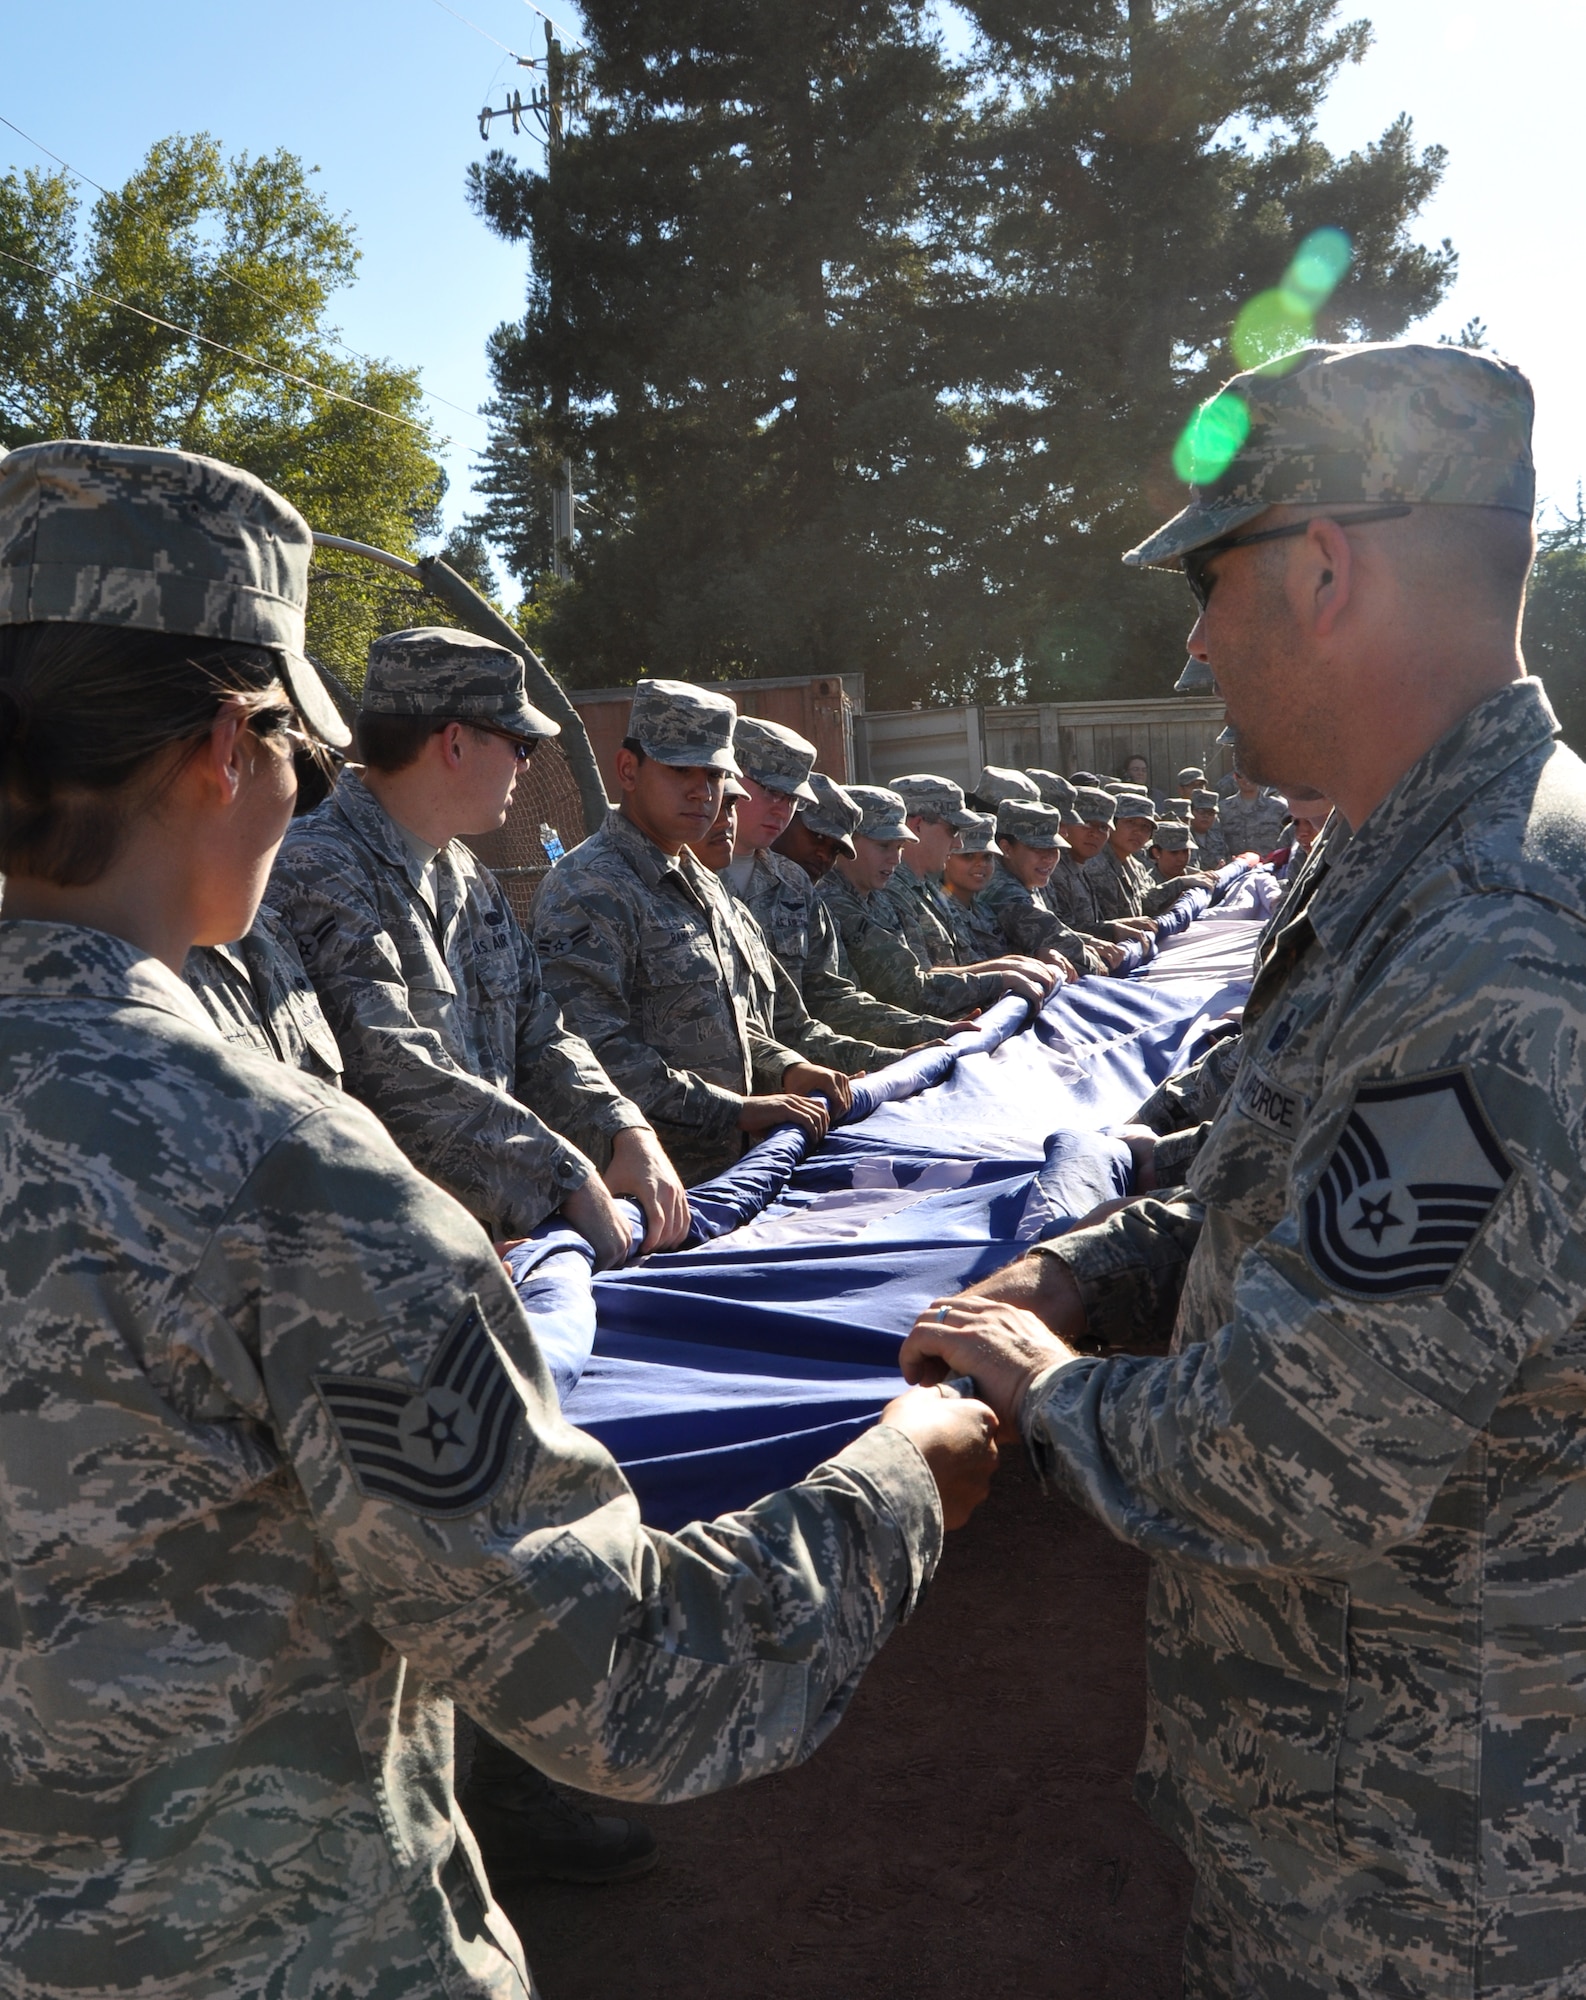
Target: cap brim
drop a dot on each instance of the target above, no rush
(1200, 522)
(528, 722)
(312, 699)
(1197, 678)
(800, 791)
(959, 818)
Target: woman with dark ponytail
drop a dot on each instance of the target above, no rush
(281, 1469)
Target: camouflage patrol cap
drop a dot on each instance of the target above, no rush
(1178, 808)
(1393, 422)
(732, 792)
(1189, 776)
(832, 813)
(936, 797)
(677, 723)
(1135, 805)
(980, 836)
(1031, 822)
(438, 671)
(159, 541)
(1205, 802)
(1094, 806)
(1080, 778)
(1054, 790)
(774, 756)
(996, 783)
(1116, 785)
(1173, 837)
(884, 814)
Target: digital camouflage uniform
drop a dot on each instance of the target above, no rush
(1359, 1472)
(1252, 826)
(282, 1475)
(449, 1032)
(870, 928)
(1027, 920)
(1213, 843)
(1165, 890)
(801, 934)
(777, 1008)
(977, 935)
(258, 995)
(638, 949)
(1071, 898)
(1119, 884)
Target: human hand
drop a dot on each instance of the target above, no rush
(763, 1114)
(807, 1079)
(1141, 1141)
(956, 1437)
(968, 1025)
(1004, 1347)
(592, 1212)
(1111, 955)
(641, 1170)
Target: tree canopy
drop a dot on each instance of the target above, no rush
(246, 254)
(869, 359)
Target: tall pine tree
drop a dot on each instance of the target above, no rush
(871, 361)
(734, 271)
(1140, 170)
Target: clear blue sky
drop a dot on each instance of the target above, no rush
(384, 100)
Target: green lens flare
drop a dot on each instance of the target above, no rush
(1319, 264)
(1210, 439)
(1269, 326)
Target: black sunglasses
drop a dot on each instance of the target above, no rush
(1197, 562)
(521, 749)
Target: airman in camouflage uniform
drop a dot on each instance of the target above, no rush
(282, 1471)
(1025, 917)
(637, 947)
(1171, 837)
(1120, 883)
(1359, 1472)
(871, 928)
(1253, 825)
(1210, 839)
(434, 993)
(799, 930)
(976, 933)
(918, 895)
(996, 783)
(258, 995)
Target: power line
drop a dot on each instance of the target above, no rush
(231, 277)
(188, 333)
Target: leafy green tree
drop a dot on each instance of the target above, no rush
(1554, 635)
(246, 254)
(735, 268)
(870, 361)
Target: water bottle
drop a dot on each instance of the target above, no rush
(551, 841)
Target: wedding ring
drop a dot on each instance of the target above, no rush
(941, 1314)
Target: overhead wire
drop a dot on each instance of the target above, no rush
(190, 333)
(231, 278)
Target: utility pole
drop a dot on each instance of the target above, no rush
(552, 105)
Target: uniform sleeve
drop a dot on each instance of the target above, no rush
(885, 966)
(1130, 1269)
(1432, 1242)
(1027, 927)
(499, 1550)
(557, 1071)
(798, 1028)
(500, 1159)
(832, 995)
(589, 952)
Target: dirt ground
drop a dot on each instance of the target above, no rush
(968, 1829)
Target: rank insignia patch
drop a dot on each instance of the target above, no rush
(441, 1448)
(1416, 1172)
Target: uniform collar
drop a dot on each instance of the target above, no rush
(1510, 725)
(71, 962)
(378, 831)
(653, 864)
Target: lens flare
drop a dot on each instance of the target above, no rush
(1210, 439)
(1268, 333)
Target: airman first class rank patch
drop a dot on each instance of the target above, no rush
(439, 1449)
(1416, 1172)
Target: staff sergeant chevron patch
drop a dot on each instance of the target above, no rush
(1416, 1172)
(440, 1449)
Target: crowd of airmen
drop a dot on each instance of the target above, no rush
(282, 1467)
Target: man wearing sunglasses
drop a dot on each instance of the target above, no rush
(1358, 1469)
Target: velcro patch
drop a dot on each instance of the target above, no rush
(1415, 1174)
(440, 1449)
(1260, 1099)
